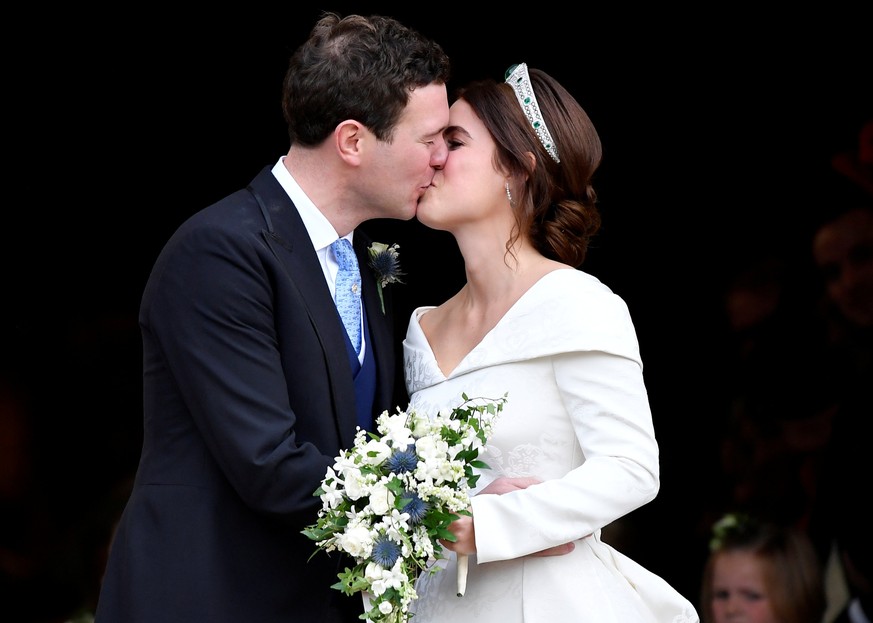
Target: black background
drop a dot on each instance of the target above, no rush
(718, 125)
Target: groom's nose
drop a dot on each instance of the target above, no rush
(439, 155)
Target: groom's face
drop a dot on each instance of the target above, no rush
(397, 173)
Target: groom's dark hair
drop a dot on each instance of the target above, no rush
(361, 68)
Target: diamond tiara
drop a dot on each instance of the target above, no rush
(518, 78)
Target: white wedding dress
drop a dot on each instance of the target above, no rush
(578, 418)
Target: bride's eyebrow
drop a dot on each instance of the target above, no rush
(456, 129)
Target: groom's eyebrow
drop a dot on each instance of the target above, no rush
(435, 133)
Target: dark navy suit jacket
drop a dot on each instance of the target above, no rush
(248, 397)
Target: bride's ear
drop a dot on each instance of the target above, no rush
(522, 176)
(532, 161)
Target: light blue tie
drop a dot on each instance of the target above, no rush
(348, 290)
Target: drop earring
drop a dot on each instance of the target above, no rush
(509, 194)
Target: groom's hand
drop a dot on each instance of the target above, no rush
(505, 485)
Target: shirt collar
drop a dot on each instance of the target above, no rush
(321, 232)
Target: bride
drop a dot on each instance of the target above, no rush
(574, 448)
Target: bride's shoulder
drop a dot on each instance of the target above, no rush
(579, 297)
(573, 282)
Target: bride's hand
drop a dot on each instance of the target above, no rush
(505, 485)
(465, 531)
(463, 527)
(557, 550)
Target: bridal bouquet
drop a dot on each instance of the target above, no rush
(389, 500)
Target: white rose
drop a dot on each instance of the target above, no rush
(356, 541)
(381, 499)
(356, 485)
(375, 452)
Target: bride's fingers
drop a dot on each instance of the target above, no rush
(505, 485)
(557, 550)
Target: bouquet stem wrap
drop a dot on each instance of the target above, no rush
(463, 561)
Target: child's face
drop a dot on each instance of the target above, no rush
(739, 594)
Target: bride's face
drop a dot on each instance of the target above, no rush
(468, 188)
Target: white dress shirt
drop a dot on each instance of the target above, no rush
(321, 232)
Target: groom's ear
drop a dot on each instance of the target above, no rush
(350, 138)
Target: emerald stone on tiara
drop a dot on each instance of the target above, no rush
(518, 78)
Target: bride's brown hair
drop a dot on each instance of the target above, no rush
(556, 207)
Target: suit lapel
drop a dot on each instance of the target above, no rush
(286, 236)
(380, 324)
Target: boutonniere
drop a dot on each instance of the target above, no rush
(384, 262)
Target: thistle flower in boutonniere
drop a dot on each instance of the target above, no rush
(384, 262)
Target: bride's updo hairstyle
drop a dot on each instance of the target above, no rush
(555, 209)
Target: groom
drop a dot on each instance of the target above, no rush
(250, 382)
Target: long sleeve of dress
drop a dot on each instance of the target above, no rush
(605, 399)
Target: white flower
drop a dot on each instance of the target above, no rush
(395, 431)
(374, 452)
(356, 540)
(381, 499)
(356, 483)
(381, 579)
(331, 496)
(394, 524)
(344, 464)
